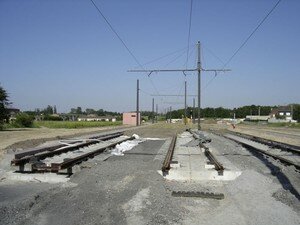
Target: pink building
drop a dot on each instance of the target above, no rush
(129, 118)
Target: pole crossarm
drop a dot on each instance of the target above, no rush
(174, 95)
(199, 69)
(216, 70)
(167, 70)
(174, 103)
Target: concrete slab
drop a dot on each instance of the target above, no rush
(194, 165)
(30, 177)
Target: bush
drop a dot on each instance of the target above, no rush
(52, 118)
(23, 120)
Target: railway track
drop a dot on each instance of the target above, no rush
(271, 143)
(66, 154)
(287, 154)
(212, 159)
(168, 159)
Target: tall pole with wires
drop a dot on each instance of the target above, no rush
(198, 69)
(199, 83)
(194, 111)
(156, 113)
(137, 102)
(152, 110)
(184, 102)
(170, 114)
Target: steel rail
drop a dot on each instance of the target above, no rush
(167, 162)
(70, 162)
(273, 144)
(32, 151)
(38, 155)
(280, 158)
(218, 166)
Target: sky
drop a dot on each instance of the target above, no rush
(61, 52)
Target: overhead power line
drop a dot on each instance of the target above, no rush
(116, 33)
(189, 33)
(245, 41)
(252, 33)
(121, 40)
(164, 56)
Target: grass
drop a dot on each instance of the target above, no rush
(75, 124)
(292, 125)
(287, 125)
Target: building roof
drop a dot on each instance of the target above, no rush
(284, 108)
(281, 109)
(95, 117)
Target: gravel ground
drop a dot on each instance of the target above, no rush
(120, 190)
(30, 137)
(129, 190)
(285, 176)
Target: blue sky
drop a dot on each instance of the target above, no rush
(61, 52)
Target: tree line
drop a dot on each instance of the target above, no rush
(240, 112)
(209, 112)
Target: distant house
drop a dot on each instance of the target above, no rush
(12, 113)
(257, 118)
(93, 117)
(282, 112)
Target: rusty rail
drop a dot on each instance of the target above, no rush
(41, 153)
(70, 162)
(273, 144)
(280, 158)
(166, 164)
(218, 166)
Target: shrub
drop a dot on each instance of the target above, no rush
(3, 105)
(23, 120)
(52, 118)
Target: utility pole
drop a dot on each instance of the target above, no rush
(152, 110)
(170, 114)
(259, 110)
(198, 69)
(156, 113)
(199, 83)
(137, 102)
(184, 102)
(194, 111)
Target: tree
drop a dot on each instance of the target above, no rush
(90, 111)
(54, 110)
(4, 115)
(78, 110)
(296, 112)
(73, 111)
(48, 110)
(24, 120)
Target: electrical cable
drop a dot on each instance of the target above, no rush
(121, 40)
(252, 33)
(213, 54)
(189, 32)
(245, 41)
(164, 56)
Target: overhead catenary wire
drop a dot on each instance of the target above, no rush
(166, 55)
(189, 33)
(213, 54)
(245, 41)
(145, 92)
(121, 40)
(252, 33)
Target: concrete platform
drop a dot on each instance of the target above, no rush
(194, 166)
